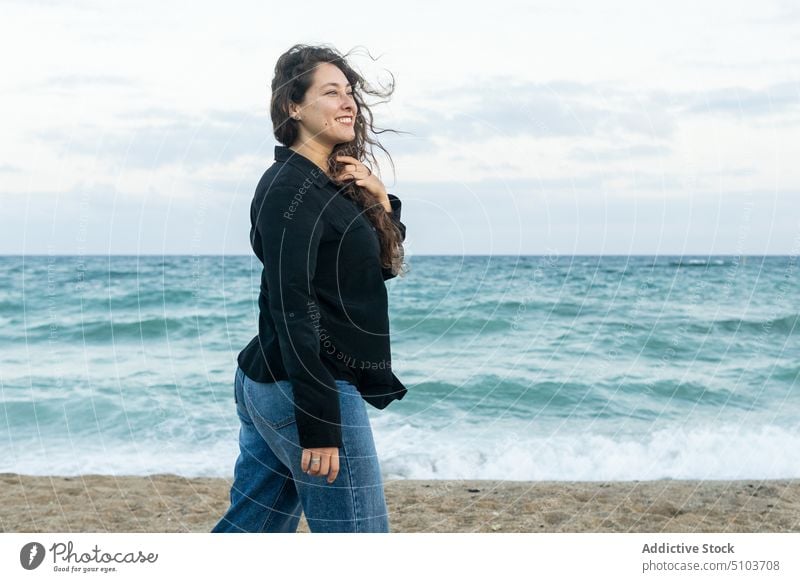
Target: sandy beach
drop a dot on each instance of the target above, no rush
(169, 503)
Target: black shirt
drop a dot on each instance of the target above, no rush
(323, 306)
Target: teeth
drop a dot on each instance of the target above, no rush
(344, 119)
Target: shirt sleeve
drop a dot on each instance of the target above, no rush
(397, 206)
(291, 225)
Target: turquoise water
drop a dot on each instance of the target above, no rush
(562, 368)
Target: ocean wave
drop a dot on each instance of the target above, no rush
(698, 263)
(785, 325)
(524, 452)
(460, 325)
(505, 449)
(146, 328)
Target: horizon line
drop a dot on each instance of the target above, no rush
(419, 255)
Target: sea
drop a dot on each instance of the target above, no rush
(551, 367)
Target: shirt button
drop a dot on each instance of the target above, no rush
(291, 314)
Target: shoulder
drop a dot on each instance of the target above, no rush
(280, 177)
(283, 182)
(284, 194)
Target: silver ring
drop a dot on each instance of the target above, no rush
(313, 461)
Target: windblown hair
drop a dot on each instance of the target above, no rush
(293, 76)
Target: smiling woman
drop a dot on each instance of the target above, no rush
(328, 235)
(313, 90)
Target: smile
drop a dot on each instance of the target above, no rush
(346, 120)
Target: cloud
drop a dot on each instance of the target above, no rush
(71, 82)
(599, 154)
(742, 102)
(503, 107)
(159, 137)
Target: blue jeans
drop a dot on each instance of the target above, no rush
(270, 488)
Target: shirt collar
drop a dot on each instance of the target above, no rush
(299, 161)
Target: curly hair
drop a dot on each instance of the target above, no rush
(294, 72)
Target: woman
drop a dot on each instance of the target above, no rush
(328, 235)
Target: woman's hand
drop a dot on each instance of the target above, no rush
(355, 170)
(328, 462)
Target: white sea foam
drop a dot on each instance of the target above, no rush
(508, 453)
(724, 452)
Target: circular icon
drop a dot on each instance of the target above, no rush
(31, 555)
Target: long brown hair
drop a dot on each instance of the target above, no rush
(293, 77)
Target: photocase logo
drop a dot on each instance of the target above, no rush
(31, 555)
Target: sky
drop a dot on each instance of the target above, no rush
(532, 127)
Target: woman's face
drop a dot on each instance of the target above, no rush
(325, 110)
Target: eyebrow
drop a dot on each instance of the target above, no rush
(335, 84)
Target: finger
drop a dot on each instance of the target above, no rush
(334, 472)
(313, 468)
(304, 460)
(358, 167)
(324, 465)
(344, 158)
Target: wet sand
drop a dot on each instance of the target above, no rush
(169, 503)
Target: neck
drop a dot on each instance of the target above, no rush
(314, 151)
